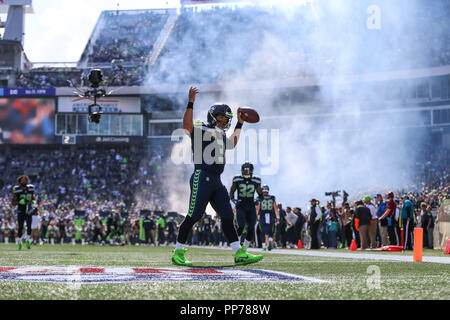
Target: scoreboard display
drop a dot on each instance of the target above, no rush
(27, 120)
(69, 139)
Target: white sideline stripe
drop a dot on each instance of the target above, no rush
(349, 255)
(387, 257)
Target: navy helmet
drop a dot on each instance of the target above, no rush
(265, 188)
(247, 170)
(220, 109)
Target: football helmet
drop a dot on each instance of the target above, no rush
(247, 170)
(220, 109)
(265, 188)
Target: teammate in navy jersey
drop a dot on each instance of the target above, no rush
(25, 200)
(268, 214)
(246, 184)
(209, 143)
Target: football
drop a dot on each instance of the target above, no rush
(249, 114)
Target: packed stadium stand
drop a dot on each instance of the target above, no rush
(162, 44)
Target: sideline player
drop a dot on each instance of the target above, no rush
(209, 142)
(267, 210)
(246, 184)
(25, 200)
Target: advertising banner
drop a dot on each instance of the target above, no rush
(24, 92)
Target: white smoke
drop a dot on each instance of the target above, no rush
(347, 148)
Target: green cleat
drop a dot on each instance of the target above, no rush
(28, 244)
(179, 259)
(20, 245)
(264, 249)
(242, 257)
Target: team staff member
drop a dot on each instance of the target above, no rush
(147, 224)
(35, 227)
(25, 200)
(407, 216)
(373, 222)
(363, 219)
(281, 227)
(161, 223)
(314, 216)
(382, 224)
(209, 143)
(388, 213)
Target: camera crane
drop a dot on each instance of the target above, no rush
(94, 110)
(337, 194)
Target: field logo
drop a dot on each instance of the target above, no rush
(76, 275)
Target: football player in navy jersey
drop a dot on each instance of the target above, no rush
(209, 143)
(268, 214)
(25, 200)
(246, 184)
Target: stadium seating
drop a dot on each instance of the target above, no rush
(209, 46)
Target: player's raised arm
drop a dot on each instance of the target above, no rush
(237, 132)
(188, 121)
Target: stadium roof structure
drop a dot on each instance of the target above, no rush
(5, 4)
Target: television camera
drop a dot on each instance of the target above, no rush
(335, 194)
(94, 110)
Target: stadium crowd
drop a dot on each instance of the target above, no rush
(126, 35)
(115, 74)
(100, 181)
(117, 196)
(125, 39)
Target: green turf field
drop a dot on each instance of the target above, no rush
(348, 278)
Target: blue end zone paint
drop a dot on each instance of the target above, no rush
(173, 275)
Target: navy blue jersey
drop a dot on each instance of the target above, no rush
(25, 197)
(266, 210)
(246, 189)
(208, 148)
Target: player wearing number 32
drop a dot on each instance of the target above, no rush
(209, 142)
(246, 184)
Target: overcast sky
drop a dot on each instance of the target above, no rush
(58, 30)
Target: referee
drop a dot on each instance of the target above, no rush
(25, 200)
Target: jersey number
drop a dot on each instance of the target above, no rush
(267, 205)
(246, 190)
(27, 197)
